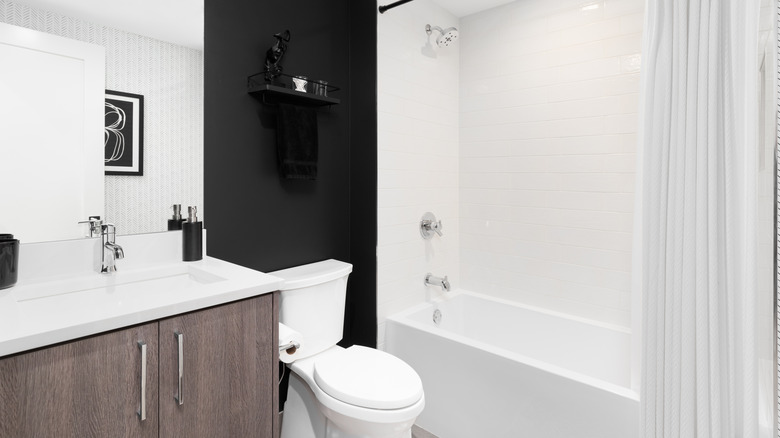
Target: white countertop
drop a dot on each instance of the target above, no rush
(47, 309)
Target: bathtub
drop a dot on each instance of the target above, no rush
(491, 368)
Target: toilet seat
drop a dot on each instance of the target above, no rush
(334, 408)
(368, 378)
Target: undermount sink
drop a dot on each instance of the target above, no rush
(61, 295)
(143, 281)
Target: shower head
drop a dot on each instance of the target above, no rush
(447, 37)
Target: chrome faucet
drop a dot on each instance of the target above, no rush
(95, 225)
(111, 251)
(444, 283)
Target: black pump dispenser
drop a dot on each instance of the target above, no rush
(192, 237)
(9, 260)
(175, 222)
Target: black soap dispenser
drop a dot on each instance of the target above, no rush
(9, 260)
(192, 237)
(175, 222)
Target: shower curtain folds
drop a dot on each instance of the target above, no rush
(699, 140)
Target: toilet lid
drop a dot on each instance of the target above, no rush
(369, 378)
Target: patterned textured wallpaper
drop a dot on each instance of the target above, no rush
(170, 78)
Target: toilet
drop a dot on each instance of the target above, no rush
(336, 392)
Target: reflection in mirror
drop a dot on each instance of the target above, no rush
(49, 131)
(168, 74)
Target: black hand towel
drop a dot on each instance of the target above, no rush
(296, 142)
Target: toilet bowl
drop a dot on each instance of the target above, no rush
(336, 392)
(338, 407)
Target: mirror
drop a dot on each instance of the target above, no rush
(153, 49)
(51, 136)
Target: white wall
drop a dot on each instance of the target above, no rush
(170, 78)
(766, 233)
(521, 138)
(418, 155)
(549, 100)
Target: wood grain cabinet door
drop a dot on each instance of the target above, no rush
(227, 368)
(85, 388)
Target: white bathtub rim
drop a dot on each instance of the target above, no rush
(456, 292)
(402, 318)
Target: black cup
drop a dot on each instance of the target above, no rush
(9, 261)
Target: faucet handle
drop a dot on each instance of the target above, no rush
(429, 225)
(107, 228)
(95, 225)
(436, 226)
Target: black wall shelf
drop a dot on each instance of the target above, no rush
(275, 94)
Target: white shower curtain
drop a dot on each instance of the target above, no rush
(698, 140)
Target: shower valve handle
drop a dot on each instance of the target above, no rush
(429, 225)
(435, 226)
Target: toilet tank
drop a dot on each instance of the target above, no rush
(312, 303)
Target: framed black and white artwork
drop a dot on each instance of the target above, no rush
(124, 133)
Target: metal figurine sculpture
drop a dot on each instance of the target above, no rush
(273, 57)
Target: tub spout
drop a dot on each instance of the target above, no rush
(444, 283)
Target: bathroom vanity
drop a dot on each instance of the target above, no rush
(161, 348)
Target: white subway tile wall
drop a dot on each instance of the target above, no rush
(521, 137)
(548, 123)
(418, 102)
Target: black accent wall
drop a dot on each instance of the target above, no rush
(257, 219)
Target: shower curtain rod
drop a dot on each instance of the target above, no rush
(382, 9)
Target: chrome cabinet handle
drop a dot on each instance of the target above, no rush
(142, 408)
(180, 342)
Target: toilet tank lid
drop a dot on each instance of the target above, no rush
(314, 273)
